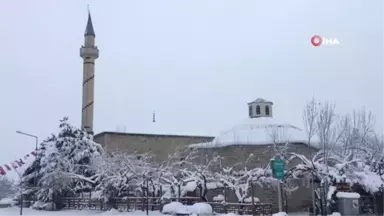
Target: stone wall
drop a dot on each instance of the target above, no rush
(159, 145)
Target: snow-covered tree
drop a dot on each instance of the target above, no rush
(239, 178)
(7, 187)
(64, 163)
(347, 149)
(182, 173)
(121, 175)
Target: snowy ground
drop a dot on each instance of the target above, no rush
(27, 211)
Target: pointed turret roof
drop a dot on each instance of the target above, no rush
(89, 29)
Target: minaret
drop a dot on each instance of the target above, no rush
(89, 53)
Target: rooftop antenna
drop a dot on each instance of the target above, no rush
(154, 117)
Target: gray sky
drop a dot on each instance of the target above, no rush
(196, 63)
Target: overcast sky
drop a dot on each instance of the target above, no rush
(197, 63)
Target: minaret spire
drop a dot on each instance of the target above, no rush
(89, 28)
(89, 53)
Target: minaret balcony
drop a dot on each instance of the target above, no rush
(91, 52)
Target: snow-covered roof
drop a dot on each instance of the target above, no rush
(257, 131)
(260, 100)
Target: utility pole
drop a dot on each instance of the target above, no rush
(35, 173)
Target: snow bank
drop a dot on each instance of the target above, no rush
(44, 206)
(348, 195)
(179, 208)
(280, 214)
(7, 201)
(335, 214)
(229, 214)
(201, 209)
(111, 212)
(174, 208)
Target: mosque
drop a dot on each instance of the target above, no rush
(256, 134)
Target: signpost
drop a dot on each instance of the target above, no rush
(278, 166)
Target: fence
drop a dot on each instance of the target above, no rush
(368, 206)
(154, 204)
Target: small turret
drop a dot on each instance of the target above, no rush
(260, 108)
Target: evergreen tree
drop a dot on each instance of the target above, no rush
(64, 164)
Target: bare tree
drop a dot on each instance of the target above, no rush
(7, 187)
(310, 115)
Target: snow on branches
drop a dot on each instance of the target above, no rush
(240, 179)
(187, 171)
(347, 148)
(121, 174)
(64, 163)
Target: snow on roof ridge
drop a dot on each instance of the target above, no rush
(260, 100)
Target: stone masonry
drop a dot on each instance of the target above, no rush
(159, 145)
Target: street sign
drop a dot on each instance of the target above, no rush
(278, 168)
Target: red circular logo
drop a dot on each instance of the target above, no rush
(316, 40)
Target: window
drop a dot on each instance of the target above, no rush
(257, 110)
(266, 110)
(250, 110)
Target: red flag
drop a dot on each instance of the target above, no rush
(34, 153)
(20, 162)
(8, 167)
(2, 171)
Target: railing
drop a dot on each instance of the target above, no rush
(242, 208)
(154, 204)
(368, 205)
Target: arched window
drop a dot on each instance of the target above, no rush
(257, 110)
(266, 110)
(250, 111)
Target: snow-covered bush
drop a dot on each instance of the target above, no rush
(64, 163)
